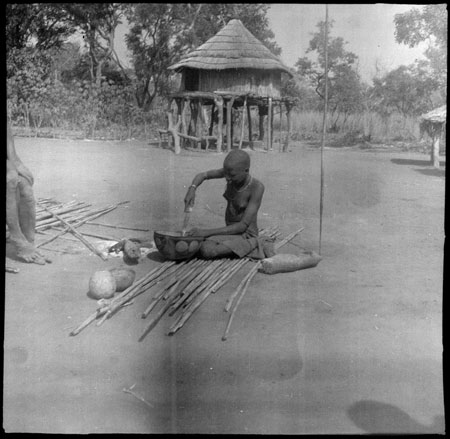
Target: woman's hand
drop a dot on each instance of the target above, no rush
(203, 233)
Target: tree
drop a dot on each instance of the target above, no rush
(42, 25)
(429, 24)
(407, 90)
(97, 23)
(160, 33)
(344, 86)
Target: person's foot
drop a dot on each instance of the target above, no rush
(27, 252)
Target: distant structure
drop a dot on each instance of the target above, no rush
(433, 123)
(221, 81)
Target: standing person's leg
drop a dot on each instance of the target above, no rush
(23, 248)
(27, 209)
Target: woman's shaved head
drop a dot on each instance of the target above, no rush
(237, 159)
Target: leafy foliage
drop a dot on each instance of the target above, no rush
(344, 85)
(429, 25)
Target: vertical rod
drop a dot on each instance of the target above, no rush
(324, 127)
(269, 125)
(229, 143)
(250, 134)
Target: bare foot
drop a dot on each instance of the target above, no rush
(27, 252)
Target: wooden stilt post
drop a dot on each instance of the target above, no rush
(261, 123)
(243, 122)
(269, 125)
(280, 136)
(200, 123)
(435, 149)
(250, 134)
(173, 130)
(184, 127)
(288, 128)
(219, 105)
(229, 124)
(211, 123)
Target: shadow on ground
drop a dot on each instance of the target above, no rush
(412, 162)
(433, 172)
(379, 418)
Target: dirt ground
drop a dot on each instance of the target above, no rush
(351, 346)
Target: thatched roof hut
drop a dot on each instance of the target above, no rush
(222, 81)
(438, 115)
(433, 123)
(235, 61)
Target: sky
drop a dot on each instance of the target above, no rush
(367, 28)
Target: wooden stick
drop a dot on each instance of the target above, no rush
(228, 275)
(79, 236)
(166, 291)
(243, 122)
(244, 289)
(79, 223)
(206, 282)
(250, 276)
(202, 296)
(117, 304)
(118, 227)
(149, 277)
(102, 310)
(240, 287)
(130, 391)
(193, 285)
(159, 315)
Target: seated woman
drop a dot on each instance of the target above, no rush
(243, 193)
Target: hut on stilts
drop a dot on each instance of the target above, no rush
(433, 123)
(222, 82)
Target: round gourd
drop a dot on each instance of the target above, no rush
(124, 278)
(102, 285)
(181, 246)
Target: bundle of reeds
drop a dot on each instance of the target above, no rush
(182, 288)
(66, 217)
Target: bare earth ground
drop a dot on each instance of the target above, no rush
(351, 346)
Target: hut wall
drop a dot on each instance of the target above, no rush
(266, 83)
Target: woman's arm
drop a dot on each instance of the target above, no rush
(189, 199)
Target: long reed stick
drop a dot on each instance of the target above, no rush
(79, 236)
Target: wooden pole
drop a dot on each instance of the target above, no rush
(269, 125)
(219, 105)
(324, 129)
(229, 124)
(211, 122)
(288, 128)
(280, 137)
(435, 149)
(173, 130)
(250, 134)
(249, 277)
(78, 235)
(243, 122)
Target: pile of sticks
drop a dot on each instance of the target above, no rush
(181, 288)
(66, 217)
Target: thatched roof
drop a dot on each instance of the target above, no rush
(438, 115)
(233, 47)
